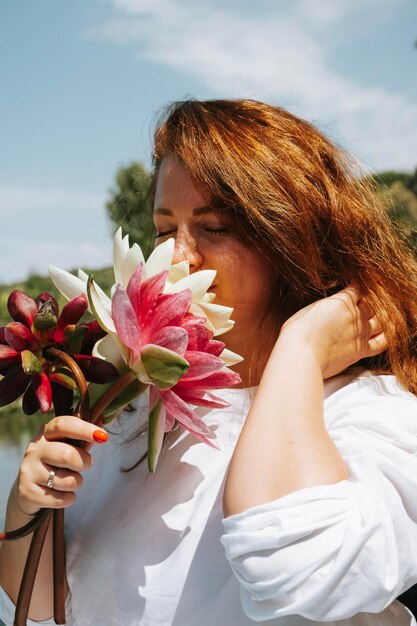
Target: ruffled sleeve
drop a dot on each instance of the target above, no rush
(332, 551)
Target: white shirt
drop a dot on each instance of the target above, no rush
(147, 549)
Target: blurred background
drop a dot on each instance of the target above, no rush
(82, 83)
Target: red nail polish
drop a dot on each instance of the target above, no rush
(100, 436)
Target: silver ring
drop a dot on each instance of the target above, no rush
(51, 477)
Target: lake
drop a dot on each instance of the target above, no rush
(15, 432)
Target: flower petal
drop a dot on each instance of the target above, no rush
(13, 385)
(93, 334)
(30, 363)
(230, 358)
(70, 286)
(161, 258)
(22, 307)
(156, 428)
(132, 259)
(96, 370)
(19, 337)
(99, 308)
(169, 311)
(202, 365)
(217, 316)
(172, 337)
(75, 337)
(125, 322)
(134, 292)
(111, 349)
(198, 282)
(2, 337)
(120, 248)
(8, 356)
(150, 292)
(178, 271)
(218, 380)
(163, 367)
(30, 402)
(62, 398)
(63, 377)
(73, 310)
(188, 418)
(43, 391)
(200, 397)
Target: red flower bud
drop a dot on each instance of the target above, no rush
(8, 356)
(43, 391)
(2, 337)
(73, 310)
(20, 338)
(70, 314)
(96, 370)
(22, 307)
(12, 386)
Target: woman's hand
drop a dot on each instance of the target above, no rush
(49, 451)
(340, 330)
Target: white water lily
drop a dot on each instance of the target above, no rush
(125, 261)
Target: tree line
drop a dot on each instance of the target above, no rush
(129, 206)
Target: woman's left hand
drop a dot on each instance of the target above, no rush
(340, 329)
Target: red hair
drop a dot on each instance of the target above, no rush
(299, 200)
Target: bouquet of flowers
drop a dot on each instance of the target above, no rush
(154, 334)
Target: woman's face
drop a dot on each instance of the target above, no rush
(202, 237)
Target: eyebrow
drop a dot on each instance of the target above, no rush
(201, 210)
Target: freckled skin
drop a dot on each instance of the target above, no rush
(243, 276)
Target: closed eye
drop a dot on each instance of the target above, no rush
(215, 231)
(165, 233)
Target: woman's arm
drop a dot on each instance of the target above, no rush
(284, 445)
(30, 493)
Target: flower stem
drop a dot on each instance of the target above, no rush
(59, 566)
(112, 393)
(29, 574)
(79, 378)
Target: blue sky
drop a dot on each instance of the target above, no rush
(82, 82)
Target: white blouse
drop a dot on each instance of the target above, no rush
(149, 550)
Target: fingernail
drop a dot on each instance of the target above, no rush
(100, 436)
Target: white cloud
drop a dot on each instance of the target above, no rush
(43, 226)
(278, 56)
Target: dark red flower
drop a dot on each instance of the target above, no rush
(25, 363)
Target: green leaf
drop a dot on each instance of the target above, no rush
(63, 376)
(30, 363)
(74, 336)
(164, 367)
(156, 426)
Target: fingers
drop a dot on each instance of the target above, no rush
(62, 479)
(71, 427)
(51, 456)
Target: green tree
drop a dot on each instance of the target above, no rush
(129, 205)
(398, 192)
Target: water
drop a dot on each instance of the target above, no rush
(15, 432)
(10, 457)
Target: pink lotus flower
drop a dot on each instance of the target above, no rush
(25, 364)
(169, 349)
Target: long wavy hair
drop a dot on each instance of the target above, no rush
(304, 204)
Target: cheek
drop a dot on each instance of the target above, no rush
(249, 276)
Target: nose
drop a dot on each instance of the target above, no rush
(187, 249)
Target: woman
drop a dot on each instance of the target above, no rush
(318, 483)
